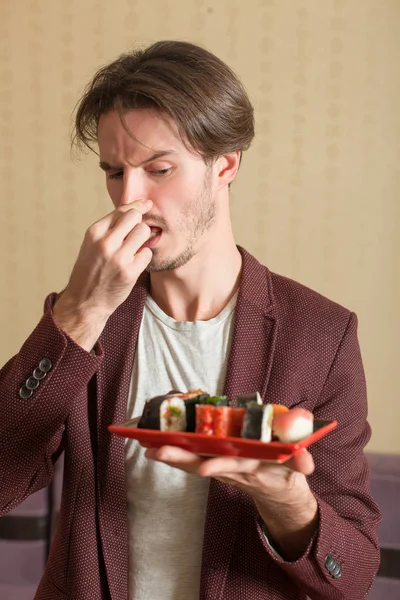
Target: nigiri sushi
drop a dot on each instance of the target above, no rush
(293, 425)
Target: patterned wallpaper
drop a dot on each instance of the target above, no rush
(317, 197)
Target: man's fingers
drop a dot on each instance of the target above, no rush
(136, 238)
(120, 229)
(301, 461)
(101, 227)
(142, 259)
(227, 464)
(176, 457)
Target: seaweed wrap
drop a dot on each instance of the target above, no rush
(244, 399)
(174, 411)
(151, 416)
(215, 400)
(257, 423)
(192, 398)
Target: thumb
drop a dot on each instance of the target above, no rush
(301, 461)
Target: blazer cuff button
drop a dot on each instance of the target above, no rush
(45, 365)
(25, 393)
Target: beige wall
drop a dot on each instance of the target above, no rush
(318, 194)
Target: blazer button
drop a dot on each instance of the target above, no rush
(45, 365)
(333, 566)
(38, 374)
(337, 571)
(32, 383)
(25, 393)
(329, 562)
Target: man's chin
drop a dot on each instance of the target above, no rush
(171, 263)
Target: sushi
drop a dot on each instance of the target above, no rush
(204, 419)
(191, 399)
(219, 420)
(196, 411)
(245, 399)
(279, 408)
(228, 421)
(174, 411)
(293, 425)
(257, 423)
(173, 414)
(150, 418)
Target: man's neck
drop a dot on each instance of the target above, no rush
(202, 288)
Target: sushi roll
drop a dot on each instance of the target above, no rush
(150, 418)
(243, 400)
(215, 400)
(173, 414)
(191, 399)
(221, 421)
(166, 413)
(293, 425)
(228, 421)
(257, 423)
(204, 419)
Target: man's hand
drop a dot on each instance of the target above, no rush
(109, 263)
(280, 492)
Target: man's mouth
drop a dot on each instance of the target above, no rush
(155, 236)
(155, 231)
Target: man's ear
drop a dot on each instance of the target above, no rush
(227, 167)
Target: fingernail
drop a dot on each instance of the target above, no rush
(148, 202)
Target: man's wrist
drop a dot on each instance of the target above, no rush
(290, 526)
(83, 327)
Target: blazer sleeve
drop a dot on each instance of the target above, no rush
(343, 557)
(37, 389)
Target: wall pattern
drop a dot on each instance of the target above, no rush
(317, 195)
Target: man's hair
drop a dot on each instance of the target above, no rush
(187, 83)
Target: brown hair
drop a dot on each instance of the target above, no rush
(189, 84)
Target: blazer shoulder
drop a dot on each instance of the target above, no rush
(298, 304)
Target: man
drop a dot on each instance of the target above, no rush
(161, 297)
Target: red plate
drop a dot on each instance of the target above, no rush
(206, 445)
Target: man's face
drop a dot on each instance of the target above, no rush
(152, 162)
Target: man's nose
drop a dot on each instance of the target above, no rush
(134, 188)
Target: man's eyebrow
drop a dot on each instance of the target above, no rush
(159, 154)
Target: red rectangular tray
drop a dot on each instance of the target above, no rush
(206, 445)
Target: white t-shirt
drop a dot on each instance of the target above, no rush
(166, 507)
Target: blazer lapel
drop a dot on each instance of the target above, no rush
(119, 341)
(249, 368)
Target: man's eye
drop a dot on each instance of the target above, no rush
(116, 175)
(161, 172)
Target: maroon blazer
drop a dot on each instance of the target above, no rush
(291, 344)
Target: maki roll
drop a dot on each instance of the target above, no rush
(205, 413)
(215, 400)
(257, 423)
(204, 419)
(171, 412)
(228, 421)
(221, 421)
(151, 416)
(191, 399)
(243, 400)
